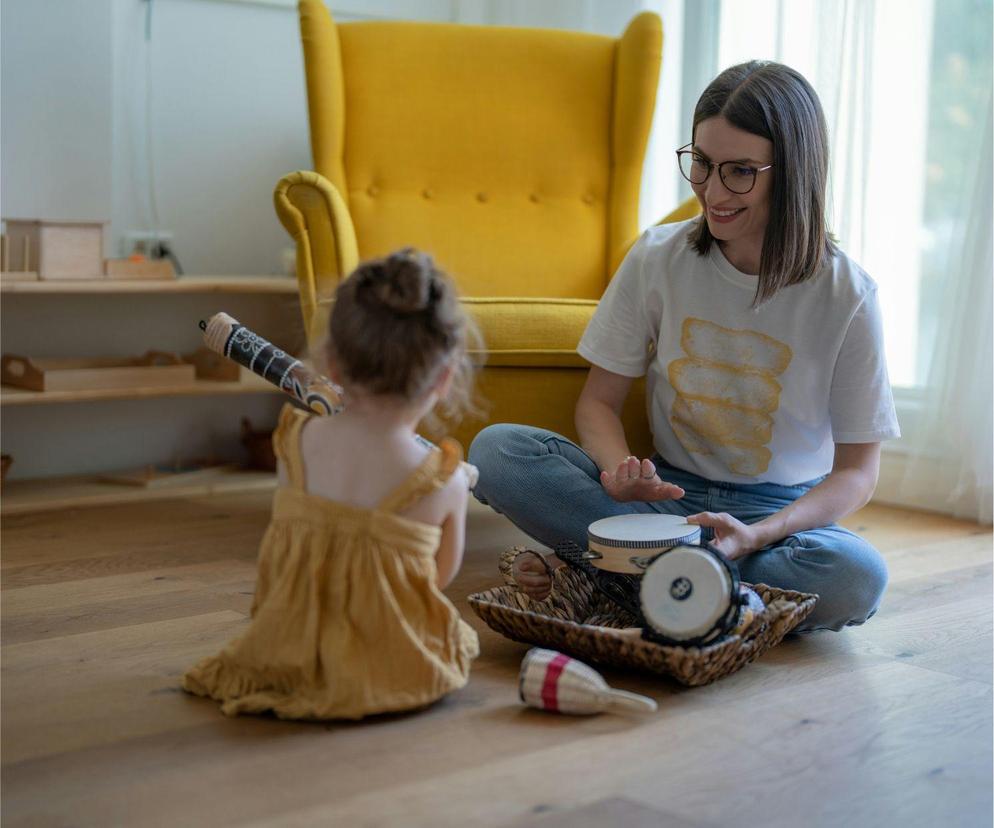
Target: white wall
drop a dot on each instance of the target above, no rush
(227, 119)
(227, 115)
(55, 124)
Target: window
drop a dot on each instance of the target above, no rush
(903, 84)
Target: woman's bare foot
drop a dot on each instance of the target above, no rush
(532, 575)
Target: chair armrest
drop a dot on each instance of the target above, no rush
(316, 216)
(686, 210)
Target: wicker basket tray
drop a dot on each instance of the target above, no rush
(580, 621)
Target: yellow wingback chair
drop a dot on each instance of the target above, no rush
(512, 156)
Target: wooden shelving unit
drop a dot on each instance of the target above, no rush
(183, 284)
(199, 388)
(48, 494)
(45, 494)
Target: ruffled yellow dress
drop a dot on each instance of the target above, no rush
(347, 619)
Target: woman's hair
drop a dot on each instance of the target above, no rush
(396, 322)
(776, 102)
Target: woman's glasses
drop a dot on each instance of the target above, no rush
(739, 178)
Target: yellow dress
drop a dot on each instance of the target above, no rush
(347, 618)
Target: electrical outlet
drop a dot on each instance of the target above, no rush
(146, 243)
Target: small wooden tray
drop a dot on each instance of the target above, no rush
(139, 269)
(159, 476)
(153, 370)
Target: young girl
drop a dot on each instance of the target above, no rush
(368, 526)
(767, 388)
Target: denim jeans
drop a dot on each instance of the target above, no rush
(550, 488)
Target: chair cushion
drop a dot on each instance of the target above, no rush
(489, 147)
(531, 332)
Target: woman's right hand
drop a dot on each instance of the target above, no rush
(634, 480)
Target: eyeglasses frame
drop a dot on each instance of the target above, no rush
(686, 149)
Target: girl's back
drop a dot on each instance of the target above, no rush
(347, 462)
(348, 619)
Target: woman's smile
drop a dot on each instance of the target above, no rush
(726, 215)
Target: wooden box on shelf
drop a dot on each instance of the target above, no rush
(154, 369)
(54, 249)
(138, 267)
(8, 275)
(210, 365)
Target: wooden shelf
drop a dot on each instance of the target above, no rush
(198, 388)
(47, 494)
(183, 284)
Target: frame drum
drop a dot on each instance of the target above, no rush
(690, 596)
(626, 544)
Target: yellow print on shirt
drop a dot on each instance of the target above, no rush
(726, 391)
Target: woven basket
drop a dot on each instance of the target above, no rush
(580, 621)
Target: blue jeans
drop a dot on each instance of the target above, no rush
(550, 488)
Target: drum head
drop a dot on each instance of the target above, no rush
(643, 531)
(624, 543)
(686, 593)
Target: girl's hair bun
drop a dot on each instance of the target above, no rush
(396, 322)
(404, 282)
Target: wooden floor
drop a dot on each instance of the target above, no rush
(103, 609)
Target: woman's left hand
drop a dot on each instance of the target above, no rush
(733, 538)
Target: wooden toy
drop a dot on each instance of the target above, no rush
(158, 476)
(138, 267)
(259, 445)
(210, 365)
(56, 249)
(154, 369)
(8, 275)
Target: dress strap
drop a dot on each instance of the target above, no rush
(286, 443)
(429, 477)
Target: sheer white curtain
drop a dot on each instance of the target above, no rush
(871, 62)
(951, 451)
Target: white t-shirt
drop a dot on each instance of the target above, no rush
(743, 394)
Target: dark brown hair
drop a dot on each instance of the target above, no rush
(395, 323)
(776, 102)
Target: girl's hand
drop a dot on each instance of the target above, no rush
(532, 576)
(636, 480)
(733, 538)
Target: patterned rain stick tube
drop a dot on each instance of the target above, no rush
(225, 335)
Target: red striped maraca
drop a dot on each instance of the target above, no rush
(553, 681)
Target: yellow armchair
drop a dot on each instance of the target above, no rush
(513, 156)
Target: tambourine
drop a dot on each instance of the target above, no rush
(683, 594)
(627, 543)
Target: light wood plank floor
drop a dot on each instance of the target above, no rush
(103, 609)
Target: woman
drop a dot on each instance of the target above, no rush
(767, 387)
